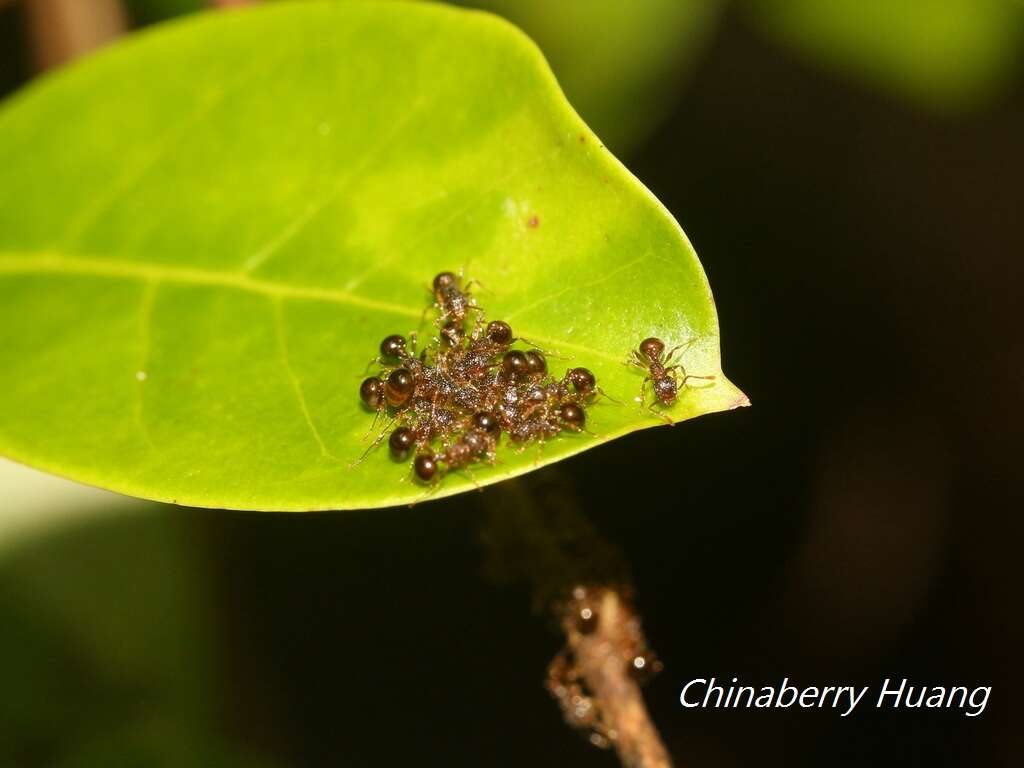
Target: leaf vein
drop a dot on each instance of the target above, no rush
(296, 385)
(55, 263)
(141, 375)
(311, 211)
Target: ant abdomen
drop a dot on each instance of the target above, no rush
(425, 467)
(401, 442)
(399, 387)
(573, 415)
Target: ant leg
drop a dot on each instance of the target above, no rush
(604, 394)
(643, 390)
(387, 367)
(376, 416)
(684, 346)
(472, 479)
(473, 282)
(688, 376)
(637, 360)
(423, 318)
(374, 444)
(540, 452)
(664, 417)
(429, 490)
(549, 353)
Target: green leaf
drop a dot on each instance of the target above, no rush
(152, 11)
(945, 55)
(622, 64)
(205, 231)
(81, 689)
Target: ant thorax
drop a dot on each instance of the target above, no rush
(450, 299)
(665, 389)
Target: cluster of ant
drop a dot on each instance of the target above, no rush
(450, 403)
(565, 681)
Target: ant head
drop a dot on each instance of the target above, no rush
(371, 392)
(392, 346)
(652, 347)
(445, 280)
(499, 332)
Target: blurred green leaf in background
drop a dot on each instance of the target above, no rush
(151, 11)
(622, 64)
(109, 647)
(946, 55)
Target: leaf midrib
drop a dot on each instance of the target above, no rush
(52, 262)
(55, 262)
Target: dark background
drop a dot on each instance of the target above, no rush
(860, 521)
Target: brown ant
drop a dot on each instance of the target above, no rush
(665, 382)
(469, 364)
(452, 299)
(396, 390)
(470, 447)
(476, 443)
(582, 381)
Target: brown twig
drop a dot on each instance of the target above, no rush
(537, 533)
(603, 662)
(62, 30)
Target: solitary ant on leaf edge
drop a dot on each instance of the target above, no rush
(665, 382)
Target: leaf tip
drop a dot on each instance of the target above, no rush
(741, 401)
